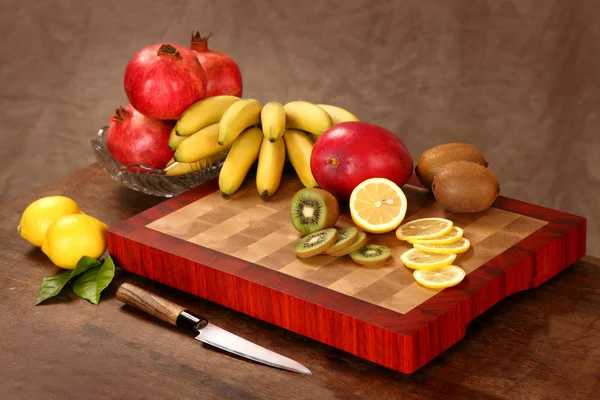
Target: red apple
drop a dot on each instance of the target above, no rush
(350, 152)
(133, 138)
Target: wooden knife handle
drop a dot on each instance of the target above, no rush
(164, 309)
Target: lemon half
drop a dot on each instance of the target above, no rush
(377, 205)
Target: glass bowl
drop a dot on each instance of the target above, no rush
(151, 181)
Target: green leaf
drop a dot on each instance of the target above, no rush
(52, 285)
(94, 281)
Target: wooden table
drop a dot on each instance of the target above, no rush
(540, 344)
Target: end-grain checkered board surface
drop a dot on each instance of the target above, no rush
(259, 231)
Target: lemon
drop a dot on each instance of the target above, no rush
(424, 228)
(441, 278)
(40, 214)
(418, 259)
(459, 246)
(455, 234)
(73, 236)
(377, 205)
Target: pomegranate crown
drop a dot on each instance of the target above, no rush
(197, 37)
(120, 115)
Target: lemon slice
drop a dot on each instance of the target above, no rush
(455, 234)
(459, 246)
(377, 205)
(424, 228)
(418, 259)
(444, 277)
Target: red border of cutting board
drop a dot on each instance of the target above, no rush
(403, 342)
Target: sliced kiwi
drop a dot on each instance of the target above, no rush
(360, 240)
(315, 243)
(371, 254)
(346, 236)
(313, 209)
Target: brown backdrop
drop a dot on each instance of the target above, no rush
(518, 78)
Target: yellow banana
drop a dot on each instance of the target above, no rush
(338, 114)
(174, 168)
(307, 116)
(203, 113)
(200, 145)
(299, 148)
(237, 118)
(240, 158)
(313, 137)
(272, 119)
(175, 140)
(270, 167)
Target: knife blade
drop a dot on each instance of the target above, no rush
(208, 333)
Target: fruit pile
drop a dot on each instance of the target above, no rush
(161, 81)
(459, 177)
(314, 213)
(378, 205)
(187, 113)
(62, 230)
(242, 133)
(436, 241)
(436, 244)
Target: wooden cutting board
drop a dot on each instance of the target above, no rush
(238, 252)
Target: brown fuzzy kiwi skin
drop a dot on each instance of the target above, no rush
(317, 250)
(332, 208)
(465, 187)
(368, 262)
(360, 241)
(348, 240)
(433, 159)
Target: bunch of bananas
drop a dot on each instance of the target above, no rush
(241, 131)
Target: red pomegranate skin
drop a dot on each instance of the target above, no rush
(222, 72)
(351, 152)
(162, 84)
(133, 138)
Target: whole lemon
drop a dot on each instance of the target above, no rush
(73, 236)
(40, 214)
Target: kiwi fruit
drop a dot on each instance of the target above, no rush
(433, 159)
(346, 236)
(315, 243)
(371, 254)
(465, 187)
(361, 239)
(313, 209)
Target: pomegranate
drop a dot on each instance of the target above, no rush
(223, 74)
(350, 152)
(133, 138)
(163, 80)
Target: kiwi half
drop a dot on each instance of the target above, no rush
(360, 240)
(371, 254)
(346, 236)
(315, 243)
(313, 209)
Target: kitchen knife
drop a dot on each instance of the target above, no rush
(206, 332)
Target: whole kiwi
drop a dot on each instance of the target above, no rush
(433, 159)
(465, 187)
